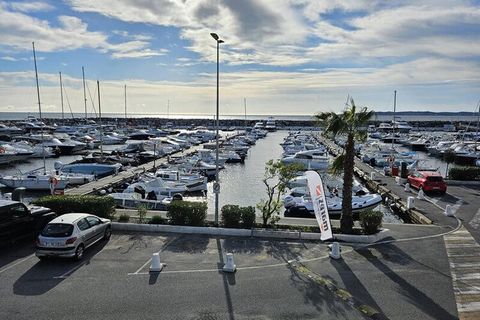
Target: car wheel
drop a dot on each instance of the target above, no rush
(108, 233)
(79, 252)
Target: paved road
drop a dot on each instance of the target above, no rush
(275, 280)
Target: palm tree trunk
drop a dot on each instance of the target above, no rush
(346, 220)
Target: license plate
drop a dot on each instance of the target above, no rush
(436, 188)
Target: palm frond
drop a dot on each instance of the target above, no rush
(337, 166)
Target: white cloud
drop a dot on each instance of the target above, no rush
(18, 30)
(30, 6)
(419, 83)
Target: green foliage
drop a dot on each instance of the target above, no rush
(231, 216)
(277, 175)
(464, 173)
(142, 213)
(158, 220)
(336, 168)
(124, 218)
(234, 216)
(371, 221)
(100, 206)
(248, 217)
(350, 123)
(187, 213)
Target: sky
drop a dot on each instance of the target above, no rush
(284, 57)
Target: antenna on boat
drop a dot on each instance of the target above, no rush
(245, 107)
(125, 101)
(84, 93)
(61, 98)
(100, 121)
(39, 106)
(394, 109)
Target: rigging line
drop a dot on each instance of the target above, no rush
(91, 99)
(68, 101)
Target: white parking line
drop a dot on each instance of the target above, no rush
(16, 263)
(149, 260)
(475, 222)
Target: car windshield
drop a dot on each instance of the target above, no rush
(57, 230)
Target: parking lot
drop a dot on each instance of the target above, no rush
(113, 282)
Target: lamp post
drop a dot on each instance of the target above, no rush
(216, 185)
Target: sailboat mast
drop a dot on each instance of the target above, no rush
(125, 101)
(168, 109)
(394, 109)
(245, 109)
(39, 106)
(100, 121)
(61, 98)
(84, 93)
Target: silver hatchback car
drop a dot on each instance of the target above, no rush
(70, 234)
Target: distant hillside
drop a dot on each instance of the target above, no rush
(427, 113)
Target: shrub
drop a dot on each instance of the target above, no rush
(187, 213)
(158, 220)
(234, 216)
(231, 216)
(142, 213)
(371, 221)
(124, 218)
(100, 206)
(248, 217)
(464, 173)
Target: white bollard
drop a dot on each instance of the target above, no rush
(410, 202)
(372, 175)
(229, 264)
(449, 211)
(407, 187)
(335, 250)
(156, 266)
(397, 180)
(421, 195)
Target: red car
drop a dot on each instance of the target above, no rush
(428, 181)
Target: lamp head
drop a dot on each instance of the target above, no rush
(214, 36)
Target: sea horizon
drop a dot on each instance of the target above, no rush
(424, 116)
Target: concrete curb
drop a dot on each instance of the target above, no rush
(256, 233)
(462, 183)
(384, 233)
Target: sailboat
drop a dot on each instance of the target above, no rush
(35, 180)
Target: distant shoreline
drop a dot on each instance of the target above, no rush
(409, 116)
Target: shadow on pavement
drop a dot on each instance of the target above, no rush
(227, 280)
(319, 296)
(18, 250)
(46, 274)
(353, 285)
(415, 296)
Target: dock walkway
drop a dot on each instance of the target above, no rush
(117, 179)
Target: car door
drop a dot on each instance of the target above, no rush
(414, 181)
(87, 233)
(22, 221)
(96, 225)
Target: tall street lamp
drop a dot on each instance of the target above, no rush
(216, 185)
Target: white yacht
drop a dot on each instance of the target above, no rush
(193, 181)
(316, 159)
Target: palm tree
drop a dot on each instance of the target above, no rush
(352, 124)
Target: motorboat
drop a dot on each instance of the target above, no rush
(140, 135)
(133, 200)
(35, 181)
(311, 159)
(303, 205)
(270, 125)
(156, 186)
(99, 170)
(193, 181)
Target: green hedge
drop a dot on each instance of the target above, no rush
(187, 213)
(464, 173)
(371, 221)
(234, 216)
(158, 220)
(100, 206)
(124, 218)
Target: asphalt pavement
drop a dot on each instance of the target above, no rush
(274, 280)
